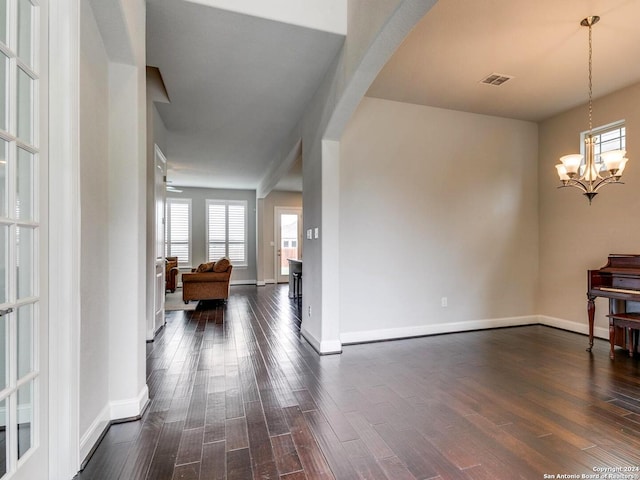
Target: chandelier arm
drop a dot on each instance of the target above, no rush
(605, 181)
(577, 184)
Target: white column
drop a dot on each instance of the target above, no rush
(64, 239)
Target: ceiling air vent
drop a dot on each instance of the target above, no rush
(496, 79)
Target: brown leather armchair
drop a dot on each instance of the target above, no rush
(171, 274)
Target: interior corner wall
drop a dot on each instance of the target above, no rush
(199, 197)
(274, 199)
(94, 254)
(435, 203)
(576, 236)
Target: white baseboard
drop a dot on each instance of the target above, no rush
(270, 280)
(243, 282)
(130, 408)
(434, 329)
(326, 347)
(573, 326)
(111, 413)
(89, 440)
(260, 283)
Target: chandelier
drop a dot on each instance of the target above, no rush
(588, 173)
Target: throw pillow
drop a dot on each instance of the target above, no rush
(205, 267)
(221, 265)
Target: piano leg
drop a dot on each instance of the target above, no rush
(612, 338)
(591, 310)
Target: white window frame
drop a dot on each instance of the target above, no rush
(227, 203)
(598, 132)
(167, 239)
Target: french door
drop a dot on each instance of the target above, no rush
(288, 223)
(22, 387)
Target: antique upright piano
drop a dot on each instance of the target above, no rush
(619, 281)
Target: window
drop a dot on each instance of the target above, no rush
(178, 230)
(227, 231)
(607, 138)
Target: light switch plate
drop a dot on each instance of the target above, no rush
(316, 232)
(309, 234)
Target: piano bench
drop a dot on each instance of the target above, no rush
(630, 321)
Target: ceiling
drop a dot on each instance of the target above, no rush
(239, 84)
(540, 43)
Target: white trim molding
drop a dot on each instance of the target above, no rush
(572, 326)
(243, 282)
(326, 347)
(95, 432)
(129, 409)
(434, 329)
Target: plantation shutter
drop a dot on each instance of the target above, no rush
(179, 230)
(227, 231)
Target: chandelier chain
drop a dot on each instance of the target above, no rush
(590, 82)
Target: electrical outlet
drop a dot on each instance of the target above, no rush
(444, 302)
(309, 311)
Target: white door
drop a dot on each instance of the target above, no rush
(160, 203)
(288, 223)
(23, 319)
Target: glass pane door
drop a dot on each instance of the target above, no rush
(288, 240)
(288, 223)
(19, 235)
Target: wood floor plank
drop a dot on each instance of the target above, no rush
(213, 465)
(330, 445)
(106, 464)
(396, 469)
(286, 457)
(262, 457)
(141, 454)
(164, 458)
(190, 471)
(236, 433)
(197, 406)
(214, 429)
(239, 465)
(190, 449)
(312, 459)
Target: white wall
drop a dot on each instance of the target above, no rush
(435, 203)
(94, 263)
(574, 236)
(199, 197)
(112, 139)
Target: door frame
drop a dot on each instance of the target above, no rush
(277, 211)
(160, 173)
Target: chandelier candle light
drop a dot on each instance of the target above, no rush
(587, 174)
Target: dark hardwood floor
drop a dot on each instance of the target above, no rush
(236, 393)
